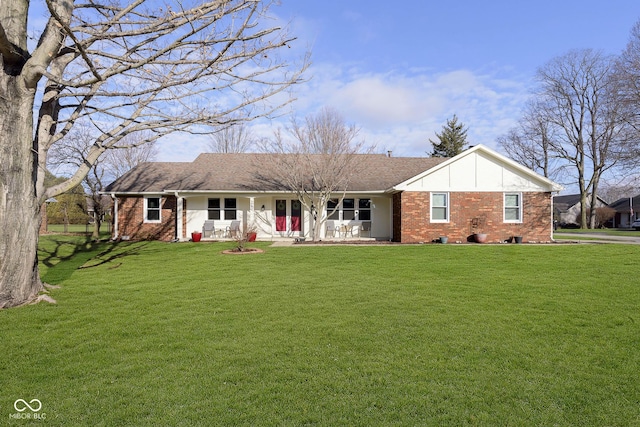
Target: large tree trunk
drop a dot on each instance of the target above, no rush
(19, 204)
(97, 223)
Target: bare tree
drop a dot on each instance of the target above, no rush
(235, 138)
(122, 68)
(315, 160)
(529, 142)
(72, 154)
(616, 188)
(578, 101)
(134, 151)
(627, 76)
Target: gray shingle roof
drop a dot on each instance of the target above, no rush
(622, 205)
(238, 172)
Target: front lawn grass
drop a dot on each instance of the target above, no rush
(154, 334)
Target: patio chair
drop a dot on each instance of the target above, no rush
(208, 229)
(346, 229)
(331, 229)
(365, 227)
(233, 230)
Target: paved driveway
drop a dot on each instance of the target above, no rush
(600, 238)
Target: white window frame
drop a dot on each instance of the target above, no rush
(447, 207)
(505, 207)
(146, 210)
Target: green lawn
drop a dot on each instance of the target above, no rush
(149, 334)
(71, 228)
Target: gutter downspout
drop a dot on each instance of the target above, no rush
(116, 232)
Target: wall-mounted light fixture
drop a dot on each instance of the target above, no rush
(262, 208)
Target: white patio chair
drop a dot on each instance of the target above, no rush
(208, 229)
(331, 229)
(233, 230)
(365, 227)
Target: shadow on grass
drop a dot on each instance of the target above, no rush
(60, 256)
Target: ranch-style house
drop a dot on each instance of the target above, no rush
(400, 199)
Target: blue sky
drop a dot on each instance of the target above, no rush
(400, 70)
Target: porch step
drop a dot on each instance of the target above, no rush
(282, 243)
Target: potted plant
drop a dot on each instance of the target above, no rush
(480, 237)
(476, 224)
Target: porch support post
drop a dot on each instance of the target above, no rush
(251, 218)
(179, 215)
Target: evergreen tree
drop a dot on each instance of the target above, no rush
(453, 138)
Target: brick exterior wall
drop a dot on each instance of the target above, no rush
(131, 219)
(411, 213)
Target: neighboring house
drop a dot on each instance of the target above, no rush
(627, 210)
(400, 199)
(105, 201)
(566, 208)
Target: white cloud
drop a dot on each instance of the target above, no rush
(403, 110)
(379, 102)
(400, 111)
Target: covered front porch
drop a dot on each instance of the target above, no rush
(279, 217)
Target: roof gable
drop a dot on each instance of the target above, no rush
(479, 169)
(566, 202)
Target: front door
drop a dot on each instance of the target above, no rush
(288, 216)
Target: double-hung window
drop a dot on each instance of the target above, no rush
(364, 209)
(215, 210)
(348, 209)
(230, 208)
(439, 207)
(512, 207)
(152, 209)
(332, 209)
